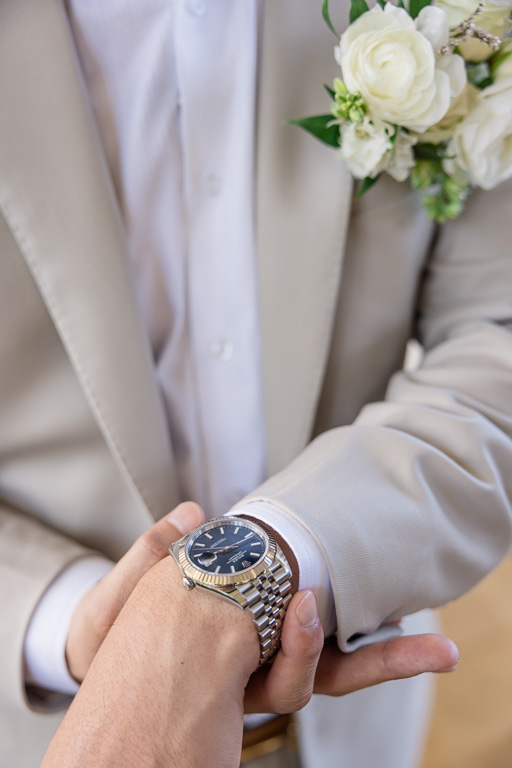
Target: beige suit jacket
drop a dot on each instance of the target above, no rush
(408, 496)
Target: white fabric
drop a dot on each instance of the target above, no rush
(45, 641)
(313, 573)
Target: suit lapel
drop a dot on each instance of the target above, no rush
(56, 196)
(303, 202)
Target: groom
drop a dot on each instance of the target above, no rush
(162, 342)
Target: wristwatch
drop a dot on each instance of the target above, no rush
(240, 561)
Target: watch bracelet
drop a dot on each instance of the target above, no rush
(267, 597)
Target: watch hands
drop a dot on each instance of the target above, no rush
(216, 550)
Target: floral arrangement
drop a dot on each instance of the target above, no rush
(425, 94)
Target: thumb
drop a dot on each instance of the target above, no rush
(287, 685)
(149, 549)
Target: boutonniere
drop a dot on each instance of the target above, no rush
(425, 95)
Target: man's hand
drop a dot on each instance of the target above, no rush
(99, 608)
(304, 665)
(166, 686)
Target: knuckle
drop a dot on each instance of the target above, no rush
(100, 613)
(153, 542)
(388, 673)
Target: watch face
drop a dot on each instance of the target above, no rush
(227, 547)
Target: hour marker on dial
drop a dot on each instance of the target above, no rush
(233, 569)
(217, 569)
(208, 536)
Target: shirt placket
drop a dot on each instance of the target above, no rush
(216, 69)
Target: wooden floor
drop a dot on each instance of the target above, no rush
(472, 725)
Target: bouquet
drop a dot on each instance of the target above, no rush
(425, 95)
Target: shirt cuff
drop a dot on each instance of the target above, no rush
(45, 641)
(313, 572)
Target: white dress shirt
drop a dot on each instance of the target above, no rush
(172, 87)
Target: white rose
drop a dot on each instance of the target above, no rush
(364, 147)
(459, 109)
(392, 61)
(493, 18)
(482, 143)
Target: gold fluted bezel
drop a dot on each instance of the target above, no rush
(181, 547)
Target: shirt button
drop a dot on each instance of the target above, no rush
(213, 185)
(222, 349)
(196, 7)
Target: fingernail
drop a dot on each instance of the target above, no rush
(186, 516)
(455, 656)
(454, 662)
(306, 611)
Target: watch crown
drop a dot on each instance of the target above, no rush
(188, 583)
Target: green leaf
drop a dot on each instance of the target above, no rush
(497, 61)
(415, 6)
(365, 185)
(321, 127)
(479, 74)
(400, 4)
(327, 17)
(392, 140)
(382, 3)
(429, 151)
(357, 8)
(330, 91)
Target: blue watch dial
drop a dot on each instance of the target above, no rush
(227, 548)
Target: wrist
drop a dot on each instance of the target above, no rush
(169, 675)
(223, 636)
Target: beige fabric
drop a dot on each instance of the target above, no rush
(410, 505)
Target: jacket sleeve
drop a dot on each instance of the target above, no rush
(411, 504)
(31, 556)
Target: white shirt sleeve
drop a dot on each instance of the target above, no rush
(313, 571)
(45, 641)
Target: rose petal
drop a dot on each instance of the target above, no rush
(399, 15)
(375, 20)
(456, 71)
(432, 22)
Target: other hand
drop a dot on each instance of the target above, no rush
(101, 605)
(305, 665)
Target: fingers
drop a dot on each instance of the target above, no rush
(149, 548)
(339, 673)
(287, 684)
